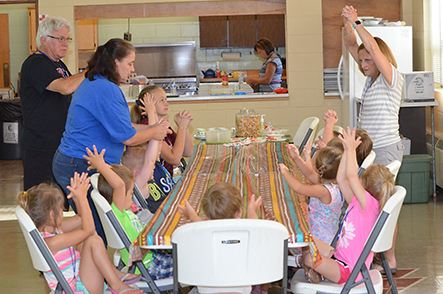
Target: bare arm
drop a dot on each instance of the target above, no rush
(147, 170)
(382, 63)
(79, 190)
(96, 161)
(317, 191)
(66, 86)
(270, 71)
(157, 132)
(330, 118)
(306, 168)
(342, 181)
(183, 142)
(189, 212)
(253, 207)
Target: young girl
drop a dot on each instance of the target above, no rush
(366, 198)
(325, 201)
(44, 204)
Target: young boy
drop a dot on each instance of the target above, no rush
(222, 201)
(116, 184)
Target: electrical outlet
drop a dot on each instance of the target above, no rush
(127, 36)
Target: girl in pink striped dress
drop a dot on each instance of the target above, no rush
(85, 273)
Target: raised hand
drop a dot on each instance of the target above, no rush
(95, 159)
(349, 140)
(293, 151)
(188, 212)
(79, 186)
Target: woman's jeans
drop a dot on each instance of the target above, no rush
(63, 168)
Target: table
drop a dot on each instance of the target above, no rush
(254, 169)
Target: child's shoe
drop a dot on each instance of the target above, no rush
(312, 276)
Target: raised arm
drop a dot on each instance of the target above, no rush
(382, 63)
(189, 212)
(253, 207)
(183, 142)
(147, 170)
(330, 118)
(351, 144)
(79, 227)
(306, 168)
(148, 108)
(342, 181)
(96, 161)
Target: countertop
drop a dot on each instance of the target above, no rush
(221, 98)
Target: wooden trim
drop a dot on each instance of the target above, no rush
(18, 2)
(176, 9)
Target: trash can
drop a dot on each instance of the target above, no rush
(11, 120)
(414, 175)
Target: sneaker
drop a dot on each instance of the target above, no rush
(312, 276)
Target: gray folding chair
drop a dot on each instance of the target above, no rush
(379, 241)
(42, 258)
(306, 132)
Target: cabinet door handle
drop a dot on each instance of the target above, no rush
(6, 81)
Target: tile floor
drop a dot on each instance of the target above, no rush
(419, 242)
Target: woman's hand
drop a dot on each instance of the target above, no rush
(161, 129)
(95, 159)
(349, 13)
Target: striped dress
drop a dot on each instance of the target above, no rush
(380, 108)
(276, 79)
(68, 261)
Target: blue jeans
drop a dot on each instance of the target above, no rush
(63, 168)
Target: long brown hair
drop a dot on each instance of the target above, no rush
(102, 61)
(39, 201)
(379, 182)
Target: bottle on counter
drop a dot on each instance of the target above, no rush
(241, 80)
(217, 69)
(225, 81)
(262, 125)
(173, 87)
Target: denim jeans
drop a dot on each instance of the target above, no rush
(63, 168)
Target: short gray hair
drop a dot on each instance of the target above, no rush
(49, 24)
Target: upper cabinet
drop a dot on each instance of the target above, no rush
(32, 30)
(241, 30)
(87, 37)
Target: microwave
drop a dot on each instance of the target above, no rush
(419, 86)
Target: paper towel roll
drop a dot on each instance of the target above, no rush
(231, 55)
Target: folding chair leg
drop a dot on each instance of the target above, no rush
(385, 264)
(141, 267)
(285, 268)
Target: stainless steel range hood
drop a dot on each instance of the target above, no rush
(165, 60)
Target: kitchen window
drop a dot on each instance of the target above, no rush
(434, 20)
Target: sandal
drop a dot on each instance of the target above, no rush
(132, 281)
(122, 291)
(312, 276)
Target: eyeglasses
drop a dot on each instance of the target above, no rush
(61, 39)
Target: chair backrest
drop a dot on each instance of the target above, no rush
(94, 180)
(104, 211)
(137, 198)
(42, 258)
(392, 207)
(369, 160)
(321, 131)
(394, 167)
(230, 252)
(306, 131)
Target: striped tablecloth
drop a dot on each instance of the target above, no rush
(254, 169)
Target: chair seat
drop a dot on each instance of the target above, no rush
(299, 285)
(163, 285)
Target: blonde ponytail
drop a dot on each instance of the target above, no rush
(379, 182)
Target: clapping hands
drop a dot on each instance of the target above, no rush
(183, 119)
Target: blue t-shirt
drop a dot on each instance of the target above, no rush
(98, 115)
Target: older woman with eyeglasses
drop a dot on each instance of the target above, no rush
(46, 86)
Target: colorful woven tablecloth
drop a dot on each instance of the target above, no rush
(254, 169)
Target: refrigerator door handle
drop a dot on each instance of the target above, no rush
(340, 90)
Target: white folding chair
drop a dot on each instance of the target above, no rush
(306, 132)
(366, 163)
(379, 241)
(94, 180)
(118, 239)
(230, 253)
(335, 128)
(394, 167)
(42, 258)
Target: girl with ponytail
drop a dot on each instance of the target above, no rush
(366, 198)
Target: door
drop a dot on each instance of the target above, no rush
(4, 52)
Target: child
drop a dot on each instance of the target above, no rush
(116, 184)
(366, 198)
(330, 118)
(85, 269)
(325, 201)
(222, 201)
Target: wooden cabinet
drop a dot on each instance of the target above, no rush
(241, 30)
(87, 35)
(272, 27)
(32, 30)
(213, 31)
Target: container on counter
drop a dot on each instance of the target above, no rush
(247, 123)
(241, 80)
(225, 81)
(218, 136)
(217, 68)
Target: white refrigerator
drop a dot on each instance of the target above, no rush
(398, 38)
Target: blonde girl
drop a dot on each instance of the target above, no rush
(366, 198)
(86, 267)
(325, 201)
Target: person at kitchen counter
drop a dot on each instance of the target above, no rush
(177, 144)
(271, 71)
(99, 115)
(46, 87)
(381, 97)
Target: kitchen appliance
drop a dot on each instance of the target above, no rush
(398, 38)
(164, 62)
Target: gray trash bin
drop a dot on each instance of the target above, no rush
(11, 120)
